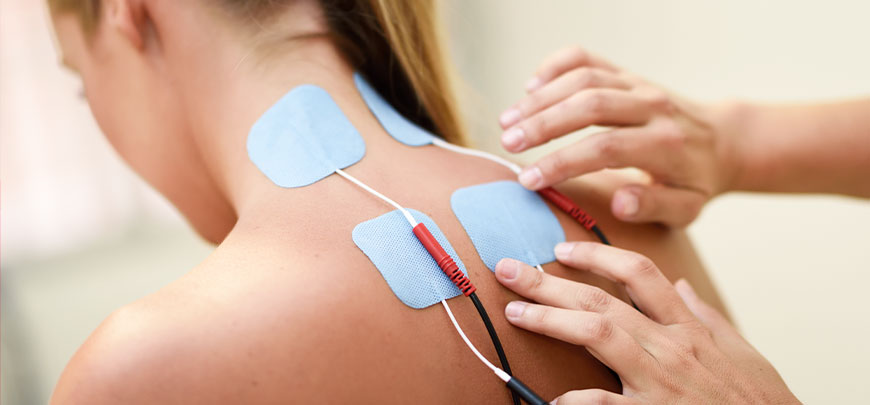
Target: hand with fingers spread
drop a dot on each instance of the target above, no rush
(681, 351)
(674, 140)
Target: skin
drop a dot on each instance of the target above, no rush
(678, 351)
(287, 309)
(691, 151)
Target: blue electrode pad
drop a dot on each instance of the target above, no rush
(411, 273)
(303, 138)
(399, 127)
(503, 219)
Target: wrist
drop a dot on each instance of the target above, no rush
(731, 122)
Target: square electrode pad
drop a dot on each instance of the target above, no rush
(303, 138)
(503, 219)
(409, 270)
(399, 127)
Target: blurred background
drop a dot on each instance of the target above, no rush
(82, 235)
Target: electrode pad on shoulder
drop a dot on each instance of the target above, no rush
(399, 127)
(503, 219)
(402, 260)
(303, 138)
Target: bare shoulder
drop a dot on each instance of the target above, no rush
(128, 359)
(195, 341)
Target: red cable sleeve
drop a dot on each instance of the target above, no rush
(445, 262)
(570, 207)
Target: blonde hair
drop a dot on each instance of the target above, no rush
(396, 44)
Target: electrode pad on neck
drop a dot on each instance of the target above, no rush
(399, 127)
(503, 219)
(409, 270)
(303, 138)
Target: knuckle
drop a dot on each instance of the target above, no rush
(674, 135)
(535, 128)
(593, 103)
(556, 163)
(681, 357)
(538, 315)
(582, 78)
(641, 266)
(607, 148)
(598, 328)
(660, 100)
(697, 333)
(537, 281)
(577, 54)
(592, 299)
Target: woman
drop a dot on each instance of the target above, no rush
(287, 309)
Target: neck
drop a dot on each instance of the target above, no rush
(225, 91)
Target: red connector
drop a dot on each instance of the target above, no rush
(566, 204)
(445, 262)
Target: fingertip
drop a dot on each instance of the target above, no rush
(510, 117)
(514, 310)
(531, 178)
(507, 270)
(563, 250)
(513, 139)
(626, 204)
(533, 84)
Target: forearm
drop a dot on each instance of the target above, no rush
(821, 148)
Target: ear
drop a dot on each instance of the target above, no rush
(130, 18)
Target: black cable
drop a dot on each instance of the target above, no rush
(517, 387)
(502, 358)
(600, 235)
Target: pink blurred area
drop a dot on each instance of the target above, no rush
(61, 184)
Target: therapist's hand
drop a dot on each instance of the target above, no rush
(683, 352)
(679, 143)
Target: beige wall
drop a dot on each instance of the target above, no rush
(82, 235)
(793, 270)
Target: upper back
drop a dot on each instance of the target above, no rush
(288, 309)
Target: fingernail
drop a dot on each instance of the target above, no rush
(533, 83)
(627, 204)
(509, 117)
(513, 139)
(514, 309)
(530, 177)
(507, 269)
(563, 250)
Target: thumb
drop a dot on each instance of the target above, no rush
(657, 203)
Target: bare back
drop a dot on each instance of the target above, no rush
(288, 309)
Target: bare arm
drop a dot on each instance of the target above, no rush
(692, 151)
(821, 148)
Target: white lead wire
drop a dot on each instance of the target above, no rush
(374, 192)
(498, 372)
(479, 153)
